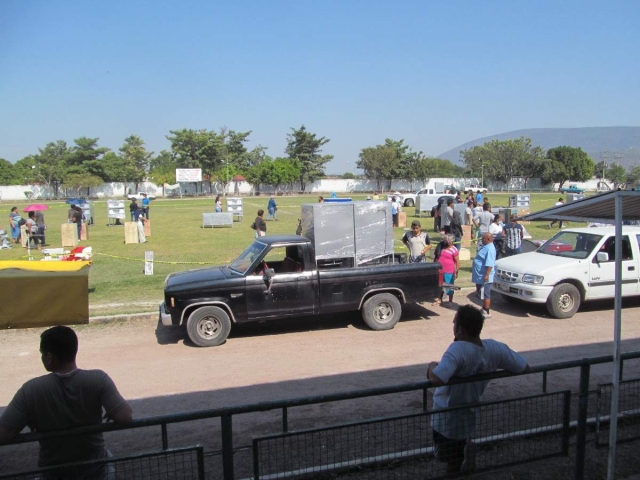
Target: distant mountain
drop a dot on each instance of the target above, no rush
(616, 141)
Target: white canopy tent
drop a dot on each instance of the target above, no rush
(617, 206)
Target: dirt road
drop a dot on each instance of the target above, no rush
(163, 374)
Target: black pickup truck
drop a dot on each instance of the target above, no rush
(279, 276)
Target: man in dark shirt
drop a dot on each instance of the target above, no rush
(65, 398)
(77, 219)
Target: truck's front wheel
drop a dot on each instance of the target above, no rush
(564, 301)
(409, 202)
(382, 311)
(208, 326)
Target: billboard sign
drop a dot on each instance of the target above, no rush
(188, 174)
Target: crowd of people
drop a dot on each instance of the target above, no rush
(493, 237)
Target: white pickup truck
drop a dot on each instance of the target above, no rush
(409, 199)
(574, 266)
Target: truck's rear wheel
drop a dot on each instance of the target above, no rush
(382, 311)
(564, 301)
(208, 326)
(409, 202)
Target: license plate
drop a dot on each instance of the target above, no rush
(502, 286)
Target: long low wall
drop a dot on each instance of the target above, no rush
(322, 186)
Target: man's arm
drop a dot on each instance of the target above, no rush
(7, 434)
(487, 273)
(435, 381)
(122, 415)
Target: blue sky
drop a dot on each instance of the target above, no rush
(437, 74)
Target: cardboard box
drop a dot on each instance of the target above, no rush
(465, 254)
(131, 232)
(147, 228)
(466, 236)
(84, 232)
(69, 234)
(402, 219)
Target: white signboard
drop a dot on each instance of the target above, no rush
(148, 263)
(188, 174)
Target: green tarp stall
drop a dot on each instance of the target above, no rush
(43, 294)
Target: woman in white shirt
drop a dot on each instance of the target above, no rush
(495, 229)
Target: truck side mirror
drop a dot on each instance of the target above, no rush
(602, 257)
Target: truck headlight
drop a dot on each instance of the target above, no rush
(535, 279)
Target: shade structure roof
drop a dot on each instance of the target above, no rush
(598, 208)
(602, 208)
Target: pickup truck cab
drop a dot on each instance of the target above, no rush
(575, 265)
(279, 276)
(571, 189)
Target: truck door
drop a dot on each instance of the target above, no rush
(602, 274)
(291, 292)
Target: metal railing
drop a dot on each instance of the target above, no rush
(176, 463)
(227, 414)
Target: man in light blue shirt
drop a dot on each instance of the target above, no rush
(482, 272)
(146, 201)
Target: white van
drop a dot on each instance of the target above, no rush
(576, 265)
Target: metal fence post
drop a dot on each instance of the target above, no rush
(227, 447)
(566, 422)
(200, 460)
(581, 434)
(285, 419)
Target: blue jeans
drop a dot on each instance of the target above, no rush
(512, 251)
(272, 213)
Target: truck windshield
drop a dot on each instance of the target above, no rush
(246, 258)
(571, 245)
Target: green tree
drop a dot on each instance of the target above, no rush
(633, 176)
(85, 157)
(50, 163)
(203, 149)
(305, 147)
(78, 181)
(617, 174)
(347, 176)
(600, 169)
(162, 169)
(24, 171)
(8, 173)
(114, 168)
(504, 159)
(379, 163)
(136, 159)
(567, 163)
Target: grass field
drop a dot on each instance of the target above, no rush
(117, 283)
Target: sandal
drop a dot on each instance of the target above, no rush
(437, 303)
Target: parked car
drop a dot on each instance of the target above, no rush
(140, 195)
(475, 187)
(574, 266)
(571, 189)
(279, 276)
